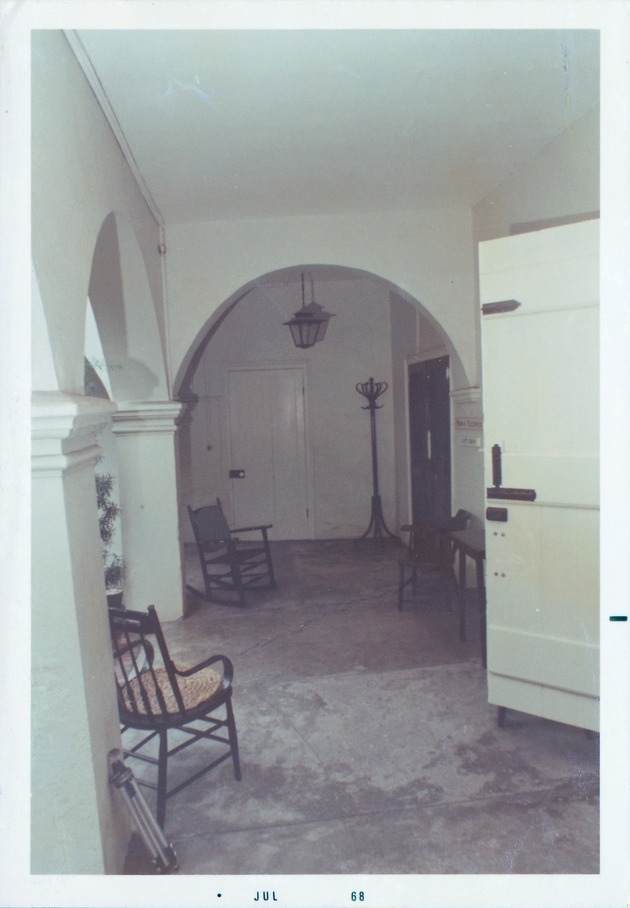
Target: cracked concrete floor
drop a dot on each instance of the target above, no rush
(367, 744)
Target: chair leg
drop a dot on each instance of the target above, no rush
(452, 591)
(401, 586)
(272, 579)
(233, 739)
(237, 580)
(204, 573)
(162, 774)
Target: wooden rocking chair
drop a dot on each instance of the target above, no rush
(229, 564)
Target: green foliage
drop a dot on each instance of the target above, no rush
(114, 571)
(108, 512)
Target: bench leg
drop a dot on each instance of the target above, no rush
(462, 597)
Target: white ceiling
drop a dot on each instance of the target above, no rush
(237, 124)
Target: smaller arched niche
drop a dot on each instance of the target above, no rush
(125, 317)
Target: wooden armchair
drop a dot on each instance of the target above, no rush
(157, 696)
(428, 551)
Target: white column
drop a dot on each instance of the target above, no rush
(185, 467)
(147, 462)
(78, 824)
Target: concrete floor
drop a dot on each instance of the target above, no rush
(367, 743)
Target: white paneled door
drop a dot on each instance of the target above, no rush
(268, 461)
(540, 381)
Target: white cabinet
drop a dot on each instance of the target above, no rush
(541, 416)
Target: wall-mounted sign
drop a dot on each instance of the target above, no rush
(470, 441)
(466, 423)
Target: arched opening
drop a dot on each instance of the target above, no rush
(247, 383)
(125, 316)
(127, 364)
(97, 384)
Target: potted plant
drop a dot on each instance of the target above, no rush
(108, 512)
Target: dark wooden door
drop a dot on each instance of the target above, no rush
(430, 438)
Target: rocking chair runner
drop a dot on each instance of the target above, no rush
(155, 695)
(227, 563)
(429, 550)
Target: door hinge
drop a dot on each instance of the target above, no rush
(501, 306)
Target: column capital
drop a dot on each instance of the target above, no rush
(146, 417)
(64, 429)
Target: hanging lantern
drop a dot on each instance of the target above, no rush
(308, 325)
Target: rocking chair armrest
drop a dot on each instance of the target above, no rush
(264, 526)
(228, 668)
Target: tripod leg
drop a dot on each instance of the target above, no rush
(162, 852)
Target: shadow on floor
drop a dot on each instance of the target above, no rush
(367, 742)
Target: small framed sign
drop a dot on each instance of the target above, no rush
(468, 423)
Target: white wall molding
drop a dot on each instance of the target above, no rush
(147, 417)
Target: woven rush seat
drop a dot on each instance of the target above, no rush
(153, 693)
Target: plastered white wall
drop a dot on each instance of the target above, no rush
(79, 176)
(560, 182)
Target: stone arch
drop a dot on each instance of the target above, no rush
(138, 447)
(181, 384)
(209, 411)
(121, 300)
(44, 375)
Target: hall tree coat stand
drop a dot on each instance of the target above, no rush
(372, 390)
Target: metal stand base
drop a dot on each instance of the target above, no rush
(377, 521)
